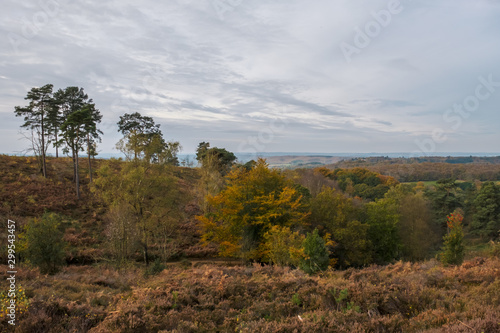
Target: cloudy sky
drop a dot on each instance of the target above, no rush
(289, 76)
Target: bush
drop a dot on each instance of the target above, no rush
(156, 268)
(453, 248)
(282, 247)
(315, 254)
(494, 249)
(43, 243)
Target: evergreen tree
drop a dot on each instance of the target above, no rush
(70, 102)
(445, 198)
(92, 117)
(219, 158)
(54, 122)
(316, 256)
(486, 220)
(79, 126)
(35, 119)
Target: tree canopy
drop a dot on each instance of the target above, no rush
(253, 201)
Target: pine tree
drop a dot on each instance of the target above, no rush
(35, 119)
(315, 254)
(486, 221)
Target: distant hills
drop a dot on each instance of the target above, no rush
(313, 159)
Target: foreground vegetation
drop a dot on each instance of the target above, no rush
(401, 297)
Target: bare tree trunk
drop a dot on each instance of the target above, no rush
(144, 236)
(146, 257)
(57, 147)
(44, 167)
(73, 158)
(88, 153)
(77, 177)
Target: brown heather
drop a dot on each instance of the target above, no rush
(402, 297)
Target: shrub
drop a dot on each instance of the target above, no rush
(453, 248)
(22, 302)
(494, 249)
(282, 247)
(315, 254)
(156, 268)
(43, 243)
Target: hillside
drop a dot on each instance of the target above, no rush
(25, 194)
(193, 291)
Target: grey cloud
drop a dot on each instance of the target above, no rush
(205, 77)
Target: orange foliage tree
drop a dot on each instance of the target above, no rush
(253, 201)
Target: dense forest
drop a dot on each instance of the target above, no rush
(141, 244)
(433, 168)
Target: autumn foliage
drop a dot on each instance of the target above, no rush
(453, 247)
(282, 220)
(252, 203)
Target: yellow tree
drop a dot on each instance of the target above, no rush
(253, 201)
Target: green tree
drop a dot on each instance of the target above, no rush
(135, 122)
(453, 247)
(486, 221)
(445, 198)
(331, 210)
(78, 128)
(218, 158)
(54, 122)
(143, 139)
(415, 227)
(44, 244)
(35, 119)
(383, 219)
(316, 257)
(214, 164)
(361, 182)
(416, 230)
(80, 118)
(201, 151)
(91, 132)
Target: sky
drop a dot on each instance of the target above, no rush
(324, 76)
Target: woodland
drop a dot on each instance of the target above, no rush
(144, 244)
